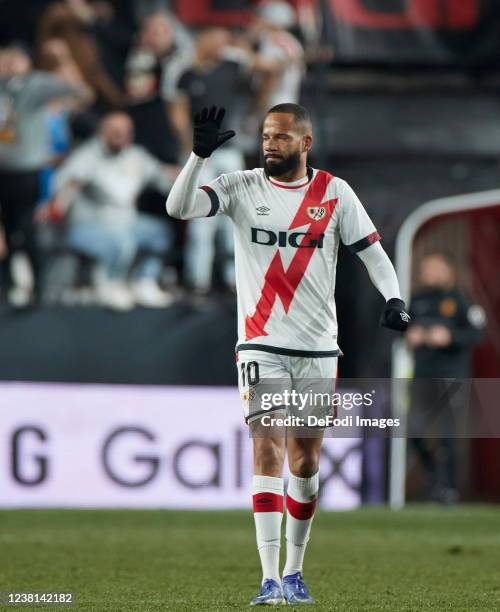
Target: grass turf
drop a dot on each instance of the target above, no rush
(420, 559)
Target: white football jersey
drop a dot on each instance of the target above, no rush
(286, 242)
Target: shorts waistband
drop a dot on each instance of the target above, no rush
(278, 350)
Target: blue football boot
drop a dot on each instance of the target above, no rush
(295, 591)
(270, 594)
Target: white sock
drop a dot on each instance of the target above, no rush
(267, 492)
(301, 496)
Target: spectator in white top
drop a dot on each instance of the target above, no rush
(98, 186)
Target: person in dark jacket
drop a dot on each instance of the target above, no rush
(445, 326)
(24, 152)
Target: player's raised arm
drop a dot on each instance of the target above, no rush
(361, 237)
(186, 200)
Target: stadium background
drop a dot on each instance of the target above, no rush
(404, 99)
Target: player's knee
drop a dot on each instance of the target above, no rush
(304, 464)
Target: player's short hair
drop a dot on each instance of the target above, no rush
(300, 113)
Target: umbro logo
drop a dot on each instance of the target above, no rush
(404, 316)
(262, 210)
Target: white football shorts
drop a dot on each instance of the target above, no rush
(270, 383)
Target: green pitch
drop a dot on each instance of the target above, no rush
(419, 559)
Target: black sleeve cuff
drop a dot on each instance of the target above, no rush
(364, 243)
(214, 200)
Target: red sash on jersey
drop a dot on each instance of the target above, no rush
(283, 284)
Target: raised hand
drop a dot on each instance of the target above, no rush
(207, 134)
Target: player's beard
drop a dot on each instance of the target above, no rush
(285, 165)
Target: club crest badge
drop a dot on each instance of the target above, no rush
(249, 396)
(316, 213)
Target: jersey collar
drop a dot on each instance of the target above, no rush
(295, 184)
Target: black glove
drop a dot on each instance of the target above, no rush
(394, 315)
(207, 136)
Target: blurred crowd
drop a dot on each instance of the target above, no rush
(96, 121)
